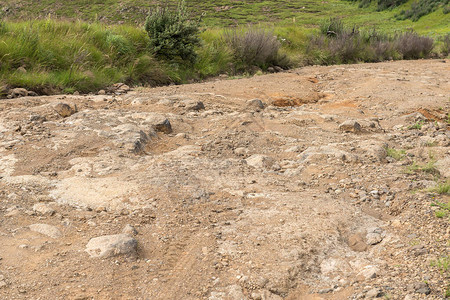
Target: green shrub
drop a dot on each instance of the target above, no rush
(173, 35)
(389, 4)
(421, 8)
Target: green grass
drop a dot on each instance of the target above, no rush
(444, 210)
(443, 263)
(223, 13)
(429, 168)
(396, 154)
(442, 188)
(50, 56)
(418, 125)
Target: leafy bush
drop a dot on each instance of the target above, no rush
(413, 46)
(382, 4)
(389, 4)
(173, 35)
(446, 9)
(255, 47)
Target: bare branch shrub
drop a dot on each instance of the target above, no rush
(413, 46)
(254, 47)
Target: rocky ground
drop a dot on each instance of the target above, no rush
(316, 183)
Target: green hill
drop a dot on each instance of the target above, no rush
(221, 13)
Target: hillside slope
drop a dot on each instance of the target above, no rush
(227, 12)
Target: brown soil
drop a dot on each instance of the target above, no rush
(238, 202)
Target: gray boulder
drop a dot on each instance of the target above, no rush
(111, 245)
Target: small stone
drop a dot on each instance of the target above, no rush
(130, 230)
(241, 151)
(101, 92)
(22, 70)
(423, 288)
(159, 123)
(43, 209)
(356, 243)
(64, 109)
(369, 272)
(12, 213)
(45, 229)
(326, 291)
(100, 209)
(256, 296)
(3, 284)
(373, 238)
(374, 293)
(18, 92)
(278, 69)
(350, 126)
(111, 245)
(419, 250)
(419, 287)
(193, 105)
(257, 104)
(260, 161)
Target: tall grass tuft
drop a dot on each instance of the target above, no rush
(50, 56)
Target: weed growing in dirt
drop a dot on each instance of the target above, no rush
(443, 263)
(418, 125)
(444, 209)
(396, 154)
(429, 168)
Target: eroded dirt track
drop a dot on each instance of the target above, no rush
(294, 196)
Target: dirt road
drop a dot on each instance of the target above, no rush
(315, 183)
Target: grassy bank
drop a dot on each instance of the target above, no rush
(49, 56)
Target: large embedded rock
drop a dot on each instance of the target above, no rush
(111, 245)
(159, 123)
(350, 126)
(64, 109)
(260, 161)
(45, 229)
